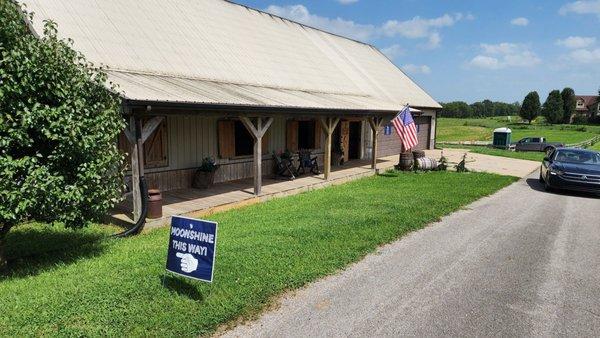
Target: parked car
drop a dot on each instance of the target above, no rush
(571, 169)
(536, 144)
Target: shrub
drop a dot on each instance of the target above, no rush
(58, 128)
(580, 119)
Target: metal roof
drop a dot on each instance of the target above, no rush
(218, 52)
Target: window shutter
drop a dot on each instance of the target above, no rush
(318, 132)
(292, 136)
(226, 134)
(265, 142)
(155, 148)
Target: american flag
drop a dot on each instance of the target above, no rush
(406, 128)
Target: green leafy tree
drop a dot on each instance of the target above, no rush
(485, 108)
(59, 160)
(530, 109)
(553, 109)
(569, 104)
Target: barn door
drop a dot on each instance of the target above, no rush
(155, 147)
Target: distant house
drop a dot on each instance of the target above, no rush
(587, 105)
(214, 78)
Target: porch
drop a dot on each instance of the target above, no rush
(235, 194)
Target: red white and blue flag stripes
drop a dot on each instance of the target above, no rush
(406, 128)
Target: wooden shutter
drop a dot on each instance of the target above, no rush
(318, 132)
(226, 134)
(292, 136)
(265, 142)
(155, 147)
(345, 138)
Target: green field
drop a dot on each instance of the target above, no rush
(87, 286)
(451, 129)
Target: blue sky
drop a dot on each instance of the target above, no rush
(469, 49)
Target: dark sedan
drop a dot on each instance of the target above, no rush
(571, 169)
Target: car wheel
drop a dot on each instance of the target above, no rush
(547, 186)
(541, 177)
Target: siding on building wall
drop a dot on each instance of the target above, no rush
(192, 138)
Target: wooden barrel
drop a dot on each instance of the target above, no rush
(418, 154)
(406, 161)
(426, 163)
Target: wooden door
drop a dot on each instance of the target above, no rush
(345, 138)
(423, 131)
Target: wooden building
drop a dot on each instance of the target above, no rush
(214, 78)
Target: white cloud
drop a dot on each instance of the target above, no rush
(339, 26)
(418, 27)
(581, 7)
(416, 69)
(519, 21)
(347, 2)
(585, 56)
(501, 48)
(415, 28)
(576, 42)
(487, 62)
(393, 51)
(504, 55)
(433, 42)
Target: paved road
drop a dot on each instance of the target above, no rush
(520, 263)
(488, 163)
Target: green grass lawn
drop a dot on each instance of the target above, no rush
(93, 287)
(451, 129)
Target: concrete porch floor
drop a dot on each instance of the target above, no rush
(224, 196)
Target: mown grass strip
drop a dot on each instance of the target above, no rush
(471, 129)
(115, 287)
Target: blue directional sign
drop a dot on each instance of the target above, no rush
(192, 247)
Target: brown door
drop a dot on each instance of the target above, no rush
(423, 131)
(345, 138)
(354, 140)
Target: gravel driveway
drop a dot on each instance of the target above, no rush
(519, 263)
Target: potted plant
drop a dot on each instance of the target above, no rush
(287, 155)
(205, 175)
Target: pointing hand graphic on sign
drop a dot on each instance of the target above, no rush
(188, 262)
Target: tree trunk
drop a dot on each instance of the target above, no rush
(3, 259)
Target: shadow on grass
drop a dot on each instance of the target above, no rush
(33, 249)
(181, 287)
(388, 174)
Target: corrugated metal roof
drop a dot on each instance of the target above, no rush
(214, 51)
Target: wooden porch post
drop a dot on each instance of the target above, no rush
(257, 131)
(137, 135)
(375, 123)
(328, 124)
(135, 168)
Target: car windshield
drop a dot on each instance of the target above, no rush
(577, 156)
